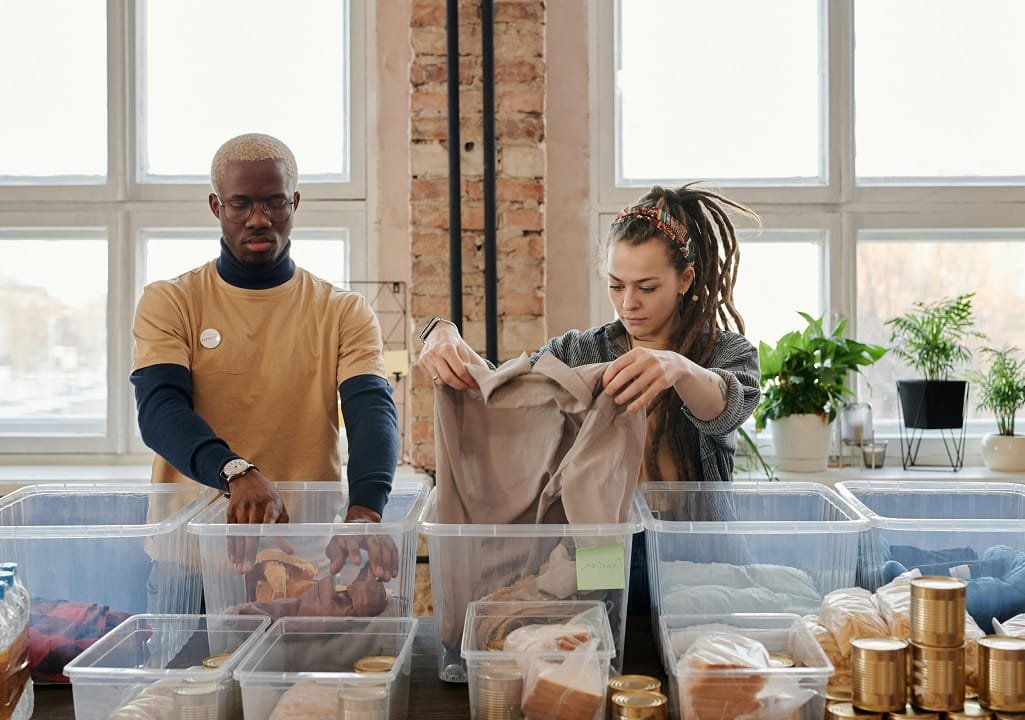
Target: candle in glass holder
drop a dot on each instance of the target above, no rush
(856, 423)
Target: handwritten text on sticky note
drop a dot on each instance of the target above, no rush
(601, 568)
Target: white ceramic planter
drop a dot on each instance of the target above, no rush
(801, 442)
(1004, 452)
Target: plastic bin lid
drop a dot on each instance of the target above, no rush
(428, 526)
(249, 670)
(90, 665)
(854, 491)
(546, 609)
(756, 623)
(91, 491)
(854, 520)
(212, 521)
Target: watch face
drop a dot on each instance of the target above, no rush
(233, 467)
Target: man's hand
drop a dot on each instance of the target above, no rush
(254, 499)
(382, 555)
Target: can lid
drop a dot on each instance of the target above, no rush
(1002, 642)
(840, 693)
(375, 664)
(195, 692)
(634, 682)
(780, 660)
(845, 710)
(878, 643)
(215, 661)
(639, 699)
(495, 644)
(938, 583)
(971, 709)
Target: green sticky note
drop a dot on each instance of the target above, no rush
(601, 568)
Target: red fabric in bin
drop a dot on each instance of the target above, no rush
(59, 630)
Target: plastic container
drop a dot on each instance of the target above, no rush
(315, 510)
(315, 658)
(488, 623)
(121, 546)
(971, 530)
(747, 546)
(152, 655)
(796, 691)
(502, 561)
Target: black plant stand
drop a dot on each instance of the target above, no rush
(912, 432)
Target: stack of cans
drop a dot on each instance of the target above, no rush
(1002, 674)
(637, 697)
(499, 691)
(937, 643)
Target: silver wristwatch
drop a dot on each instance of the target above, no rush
(235, 469)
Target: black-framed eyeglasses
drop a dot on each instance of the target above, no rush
(241, 209)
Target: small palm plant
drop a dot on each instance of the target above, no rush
(932, 337)
(1002, 386)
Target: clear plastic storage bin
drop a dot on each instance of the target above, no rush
(796, 692)
(747, 546)
(165, 661)
(356, 668)
(972, 530)
(120, 546)
(501, 678)
(498, 562)
(290, 557)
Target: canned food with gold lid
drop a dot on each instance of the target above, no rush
(638, 705)
(846, 711)
(937, 611)
(374, 664)
(878, 673)
(495, 644)
(937, 677)
(780, 660)
(1001, 675)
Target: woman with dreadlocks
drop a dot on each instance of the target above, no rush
(677, 350)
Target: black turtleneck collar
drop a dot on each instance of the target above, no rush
(255, 277)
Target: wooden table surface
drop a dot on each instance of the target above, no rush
(429, 697)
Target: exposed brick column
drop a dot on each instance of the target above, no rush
(521, 167)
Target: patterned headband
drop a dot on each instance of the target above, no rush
(665, 224)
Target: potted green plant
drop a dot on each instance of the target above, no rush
(1002, 390)
(932, 339)
(804, 382)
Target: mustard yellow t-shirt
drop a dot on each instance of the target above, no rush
(665, 454)
(265, 364)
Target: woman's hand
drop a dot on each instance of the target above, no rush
(641, 375)
(445, 356)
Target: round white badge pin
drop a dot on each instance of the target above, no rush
(210, 338)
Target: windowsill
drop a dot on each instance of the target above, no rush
(13, 477)
(831, 476)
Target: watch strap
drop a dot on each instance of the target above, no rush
(431, 324)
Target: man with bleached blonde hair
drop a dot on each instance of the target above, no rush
(239, 365)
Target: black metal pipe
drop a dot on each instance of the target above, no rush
(487, 35)
(455, 207)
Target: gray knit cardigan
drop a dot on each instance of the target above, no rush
(734, 359)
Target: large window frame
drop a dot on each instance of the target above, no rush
(840, 205)
(123, 204)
